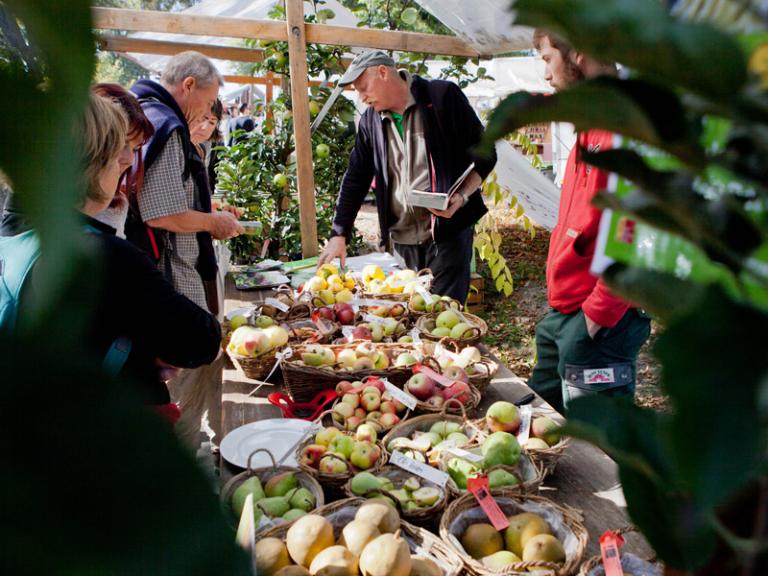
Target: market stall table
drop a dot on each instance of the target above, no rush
(585, 478)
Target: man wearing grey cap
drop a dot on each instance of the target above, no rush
(416, 134)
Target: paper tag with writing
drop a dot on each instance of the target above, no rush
(610, 542)
(400, 395)
(423, 292)
(424, 280)
(526, 412)
(414, 333)
(346, 331)
(439, 378)
(422, 470)
(277, 304)
(479, 487)
(464, 454)
(373, 319)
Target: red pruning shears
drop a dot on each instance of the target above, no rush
(302, 410)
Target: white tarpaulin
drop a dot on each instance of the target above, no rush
(485, 24)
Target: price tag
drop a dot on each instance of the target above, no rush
(464, 454)
(610, 542)
(423, 292)
(347, 332)
(415, 336)
(400, 395)
(526, 412)
(439, 378)
(479, 487)
(277, 304)
(422, 470)
(373, 319)
(424, 280)
(440, 350)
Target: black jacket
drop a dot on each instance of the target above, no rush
(452, 131)
(134, 300)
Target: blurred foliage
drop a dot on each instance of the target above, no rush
(112, 67)
(695, 480)
(92, 482)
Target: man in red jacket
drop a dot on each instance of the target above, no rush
(589, 340)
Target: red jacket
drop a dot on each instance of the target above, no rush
(570, 284)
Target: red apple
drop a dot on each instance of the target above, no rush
(353, 422)
(312, 454)
(362, 333)
(459, 391)
(346, 317)
(377, 382)
(388, 420)
(326, 313)
(371, 400)
(360, 412)
(421, 386)
(436, 401)
(456, 373)
(388, 407)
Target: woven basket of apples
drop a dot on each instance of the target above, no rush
(545, 443)
(417, 499)
(460, 364)
(354, 536)
(253, 349)
(462, 329)
(542, 537)
(433, 390)
(420, 303)
(366, 402)
(397, 286)
(243, 317)
(333, 456)
(316, 367)
(279, 493)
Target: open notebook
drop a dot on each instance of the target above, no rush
(437, 200)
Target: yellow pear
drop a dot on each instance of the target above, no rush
(523, 527)
(270, 555)
(381, 515)
(356, 535)
(421, 566)
(387, 555)
(544, 547)
(481, 540)
(292, 570)
(307, 537)
(499, 560)
(334, 561)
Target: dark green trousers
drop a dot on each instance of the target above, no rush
(570, 364)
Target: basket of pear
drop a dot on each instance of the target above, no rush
(253, 349)
(420, 303)
(498, 456)
(333, 456)
(545, 443)
(418, 500)
(398, 285)
(423, 438)
(460, 328)
(366, 402)
(542, 536)
(469, 361)
(279, 493)
(315, 367)
(353, 536)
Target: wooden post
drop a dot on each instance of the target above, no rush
(297, 57)
(268, 100)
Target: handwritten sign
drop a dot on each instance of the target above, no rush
(419, 469)
(479, 487)
(373, 319)
(277, 304)
(400, 395)
(526, 413)
(463, 454)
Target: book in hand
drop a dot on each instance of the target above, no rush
(437, 200)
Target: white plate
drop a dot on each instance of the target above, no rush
(279, 435)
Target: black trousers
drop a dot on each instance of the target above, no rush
(449, 261)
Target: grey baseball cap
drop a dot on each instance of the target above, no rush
(361, 62)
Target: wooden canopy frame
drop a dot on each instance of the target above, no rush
(297, 33)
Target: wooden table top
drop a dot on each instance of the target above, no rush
(585, 477)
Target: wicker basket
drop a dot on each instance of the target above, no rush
(397, 475)
(422, 407)
(425, 422)
(336, 481)
(264, 474)
(256, 367)
(379, 428)
(565, 523)
(426, 323)
(397, 297)
(548, 457)
(306, 331)
(420, 541)
(529, 472)
(439, 306)
(297, 309)
(629, 562)
(304, 382)
(480, 379)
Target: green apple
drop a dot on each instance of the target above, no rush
(447, 319)
(322, 150)
(280, 180)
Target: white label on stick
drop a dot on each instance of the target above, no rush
(277, 304)
(415, 336)
(424, 280)
(525, 424)
(373, 319)
(423, 470)
(423, 292)
(400, 395)
(347, 332)
(464, 454)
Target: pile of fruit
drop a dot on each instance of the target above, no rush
(251, 341)
(498, 449)
(505, 417)
(469, 359)
(329, 286)
(399, 282)
(370, 545)
(379, 331)
(280, 497)
(425, 446)
(335, 452)
(409, 492)
(449, 323)
(435, 303)
(528, 538)
(363, 356)
(368, 402)
(341, 312)
(434, 395)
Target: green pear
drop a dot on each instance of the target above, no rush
(293, 513)
(363, 482)
(280, 484)
(251, 486)
(302, 499)
(460, 470)
(500, 448)
(498, 478)
(273, 507)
